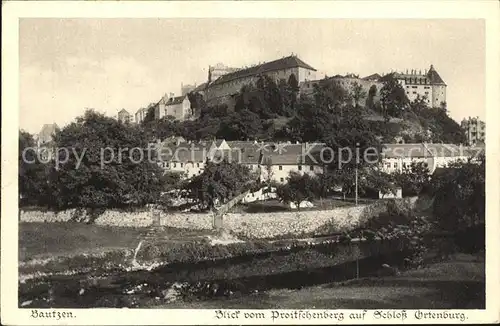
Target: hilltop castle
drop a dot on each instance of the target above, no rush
(223, 83)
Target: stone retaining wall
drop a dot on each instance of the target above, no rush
(109, 217)
(256, 225)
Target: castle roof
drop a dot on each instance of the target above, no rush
(292, 154)
(434, 77)
(176, 100)
(431, 77)
(123, 111)
(200, 88)
(284, 63)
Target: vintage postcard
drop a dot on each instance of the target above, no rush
(197, 163)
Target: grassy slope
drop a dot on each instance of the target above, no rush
(42, 240)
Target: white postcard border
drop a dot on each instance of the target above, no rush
(12, 11)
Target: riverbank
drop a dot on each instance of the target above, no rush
(457, 283)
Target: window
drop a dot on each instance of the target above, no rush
(174, 165)
(426, 93)
(426, 87)
(407, 92)
(182, 164)
(197, 165)
(300, 167)
(281, 179)
(395, 164)
(280, 168)
(414, 92)
(414, 87)
(311, 168)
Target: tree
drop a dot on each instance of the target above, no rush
(310, 123)
(293, 85)
(393, 98)
(269, 171)
(113, 168)
(370, 101)
(33, 174)
(459, 202)
(298, 188)
(243, 125)
(218, 183)
(198, 104)
(440, 126)
(413, 178)
(378, 180)
(330, 96)
(150, 115)
(357, 93)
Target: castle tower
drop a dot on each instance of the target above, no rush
(438, 87)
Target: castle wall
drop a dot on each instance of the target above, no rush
(438, 95)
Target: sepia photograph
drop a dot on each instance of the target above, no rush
(290, 165)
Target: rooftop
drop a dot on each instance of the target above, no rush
(284, 63)
(430, 77)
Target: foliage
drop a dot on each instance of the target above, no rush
(413, 178)
(330, 96)
(243, 125)
(310, 123)
(150, 115)
(33, 173)
(352, 142)
(198, 104)
(298, 188)
(460, 192)
(393, 98)
(442, 128)
(358, 93)
(127, 180)
(218, 183)
(265, 99)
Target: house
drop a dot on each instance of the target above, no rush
(124, 116)
(397, 157)
(141, 114)
(279, 160)
(475, 130)
(444, 154)
(177, 107)
(186, 158)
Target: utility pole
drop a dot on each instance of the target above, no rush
(356, 191)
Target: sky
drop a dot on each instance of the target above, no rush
(68, 65)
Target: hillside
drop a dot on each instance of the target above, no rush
(279, 112)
